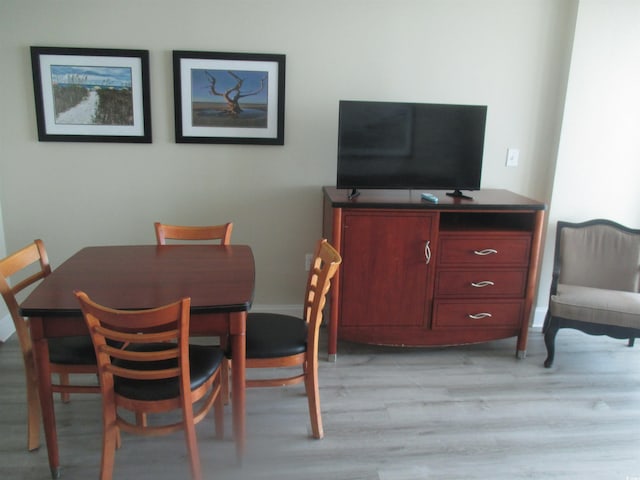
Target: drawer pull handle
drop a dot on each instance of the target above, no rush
(484, 283)
(427, 252)
(480, 316)
(486, 251)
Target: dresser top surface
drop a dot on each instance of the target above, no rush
(484, 199)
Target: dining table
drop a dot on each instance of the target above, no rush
(219, 279)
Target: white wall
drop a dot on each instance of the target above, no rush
(6, 324)
(512, 56)
(598, 163)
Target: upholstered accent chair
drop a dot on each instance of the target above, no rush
(595, 286)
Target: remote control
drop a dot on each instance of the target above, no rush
(430, 197)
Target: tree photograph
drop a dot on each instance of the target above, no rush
(226, 98)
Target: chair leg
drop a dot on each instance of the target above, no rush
(33, 409)
(64, 380)
(141, 419)
(313, 398)
(192, 444)
(110, 441)
(547, 319)
(549, 341)
(224, 379)
(632, 340)
(218, 410)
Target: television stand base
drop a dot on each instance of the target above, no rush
(353, 194)
(459, 194)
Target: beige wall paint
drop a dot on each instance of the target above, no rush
(511, 56)
(598, 163)
(6, 325)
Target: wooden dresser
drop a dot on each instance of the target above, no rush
(417, 273)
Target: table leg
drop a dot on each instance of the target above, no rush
(41, 353)
(238, 364)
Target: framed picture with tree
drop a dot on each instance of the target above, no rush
(235, 98)
(91, 95)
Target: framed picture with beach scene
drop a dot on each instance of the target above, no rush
(91, 95)
(235, 98)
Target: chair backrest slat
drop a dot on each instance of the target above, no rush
(155, 340)
(166, 232)
(325, 264)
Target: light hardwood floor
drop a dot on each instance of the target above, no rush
(470, 412)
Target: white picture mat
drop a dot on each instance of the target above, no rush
(189, 64)
(134, 63)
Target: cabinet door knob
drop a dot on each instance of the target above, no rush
(427, 252)
(484, 283)
(480, 316)
(486, 251)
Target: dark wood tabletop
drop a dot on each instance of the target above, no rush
(217, 278)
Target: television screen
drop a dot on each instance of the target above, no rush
(410, 145)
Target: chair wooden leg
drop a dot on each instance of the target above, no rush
(141, 419)
(33, 409)
(218, 410)
(192, 443)
(313, 398)
(549, 341)
(110, 441)
(224, 378)
(64, 380)
(547, 319)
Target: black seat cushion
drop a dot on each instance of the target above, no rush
(272, 335)
(204, 360)
(72, 350)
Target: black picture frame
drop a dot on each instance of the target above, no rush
(71, 86)
(208, 88)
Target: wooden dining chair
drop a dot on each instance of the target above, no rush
(276, 340)
(221, 233)
(154, 371)
(182, 232)
(67, 355)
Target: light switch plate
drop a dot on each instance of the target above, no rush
(513, 155)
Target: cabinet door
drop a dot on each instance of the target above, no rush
(386, 272)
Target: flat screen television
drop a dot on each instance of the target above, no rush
(391, 145)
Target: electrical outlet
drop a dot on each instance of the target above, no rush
(513, 155)
(308, 258)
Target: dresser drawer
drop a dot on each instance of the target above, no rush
(481, 283)
(484, 250)
(476, 314)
